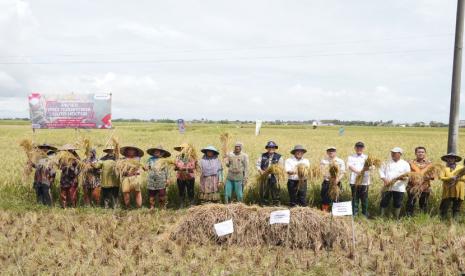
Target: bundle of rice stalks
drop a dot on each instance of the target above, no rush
(370, 162)
(84, 143)
(33, 155)
(334, 189)
(433, 171)
(164, 163)
(125, 167)
(65, 159)
(275, 170)
(189, 152)
(315, 173)
(308, 229)
(116, 147)
(224, 139)
(302, 174)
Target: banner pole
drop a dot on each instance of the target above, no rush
(353, 236)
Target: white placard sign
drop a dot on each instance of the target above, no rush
(224, 228)
(258, 126)
(281, 216)
(342, 208)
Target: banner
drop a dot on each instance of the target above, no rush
(258, 126)
(181, 126)
(70, 110)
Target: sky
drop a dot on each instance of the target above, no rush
(271, 60)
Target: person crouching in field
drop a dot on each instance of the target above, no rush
(131, 181)
(185, 166)
(44, 175)
(419, 165)
(157, 177)
(110, 181)
(359, 183)
(237, 163)
(270, 187)
(211, 177)
(297, 184)
(331, 182)
(69, 179)
(91, 181)
(391, 173)
(453, 185)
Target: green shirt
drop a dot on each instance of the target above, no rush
(109, 177)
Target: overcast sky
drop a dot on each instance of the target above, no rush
(349, 60)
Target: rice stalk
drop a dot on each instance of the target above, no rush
(370, 162)
(224, 139)
(334, 189)
(85, 144)
(164, 163)
(116, 147)
(302, 174)
(315, 173)
(127, 167)
(65, 159)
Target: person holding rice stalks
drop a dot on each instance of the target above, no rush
(211, 177)
(157, 177)
(394, 173)
(237, 163)
(333, 169)
(268, 165)
(129, 170)
(185, 167)
(69, 163)
(44, 175)
(453, 185)
(110, 182)
(420, 165)
(91, 179)
(359, 178)
(297, 169)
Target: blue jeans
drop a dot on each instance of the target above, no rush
(233, 185)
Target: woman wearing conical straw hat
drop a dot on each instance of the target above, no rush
(185, 167)
(110, 182)
(91, 181)
(44, 175)
(211, 175)
(69, 178)
(453, 185)
(131, 180)
(157, 177)
(297, 187)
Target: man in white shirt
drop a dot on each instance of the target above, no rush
(296, 187)
(355, 163)
(389, 171)
(325, 186)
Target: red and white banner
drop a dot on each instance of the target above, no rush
(70, 110)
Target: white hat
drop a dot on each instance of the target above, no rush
(331, 148)
(397, 149)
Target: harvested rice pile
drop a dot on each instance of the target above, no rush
(308, 228)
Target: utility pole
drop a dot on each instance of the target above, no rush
(454, 118)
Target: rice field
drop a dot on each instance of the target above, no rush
(38, 240)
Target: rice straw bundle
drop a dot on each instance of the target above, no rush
(190, 153)
(85, 144)
(370, 162)
(65, 159)
(308, 228)
(334, 190)
(315, 173)
(224, 139)
(163, 164)
(33, 154)
(125, 167)
(302, 174)
(116, 147)
(433, 171)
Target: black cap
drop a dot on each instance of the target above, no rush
(359, 145)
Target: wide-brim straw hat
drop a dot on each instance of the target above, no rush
(453, 155)
(139, 152)
(180, 147)
(68, 147)
(46, 147)
(164, 152)
(210, 148)
(108, 149)
(298, 148)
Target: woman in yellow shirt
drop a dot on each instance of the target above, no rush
(453, 188)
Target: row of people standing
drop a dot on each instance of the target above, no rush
(103, 183)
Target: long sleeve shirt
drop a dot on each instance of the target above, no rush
(185, 168)
(355, 164)
(392, 169)
(237, 165)
(291, 166)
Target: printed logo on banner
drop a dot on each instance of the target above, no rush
(224, 228)
(281, 216)
(342, 208)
